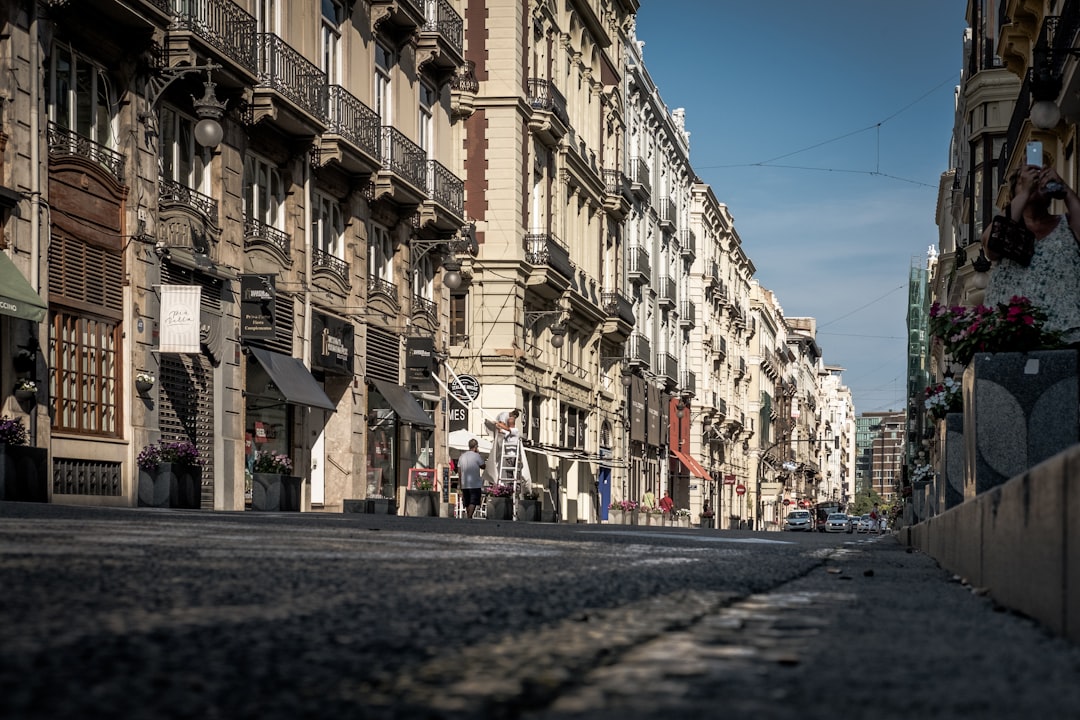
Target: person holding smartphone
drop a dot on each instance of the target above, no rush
(1052, 279)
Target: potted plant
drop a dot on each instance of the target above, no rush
(943, 398)
(273, 486)
(1015, 326)
(170, 475)
(421, 500)
(144, 382)
(681, 517)
(23, 469)
(529, 505)
(25, 388)
(498, 503)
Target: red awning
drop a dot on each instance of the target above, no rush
(692, 464)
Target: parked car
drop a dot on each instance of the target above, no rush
(837, 522)
(799, 520)
(853, 520)
(865, 524)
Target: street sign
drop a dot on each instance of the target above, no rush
(729, 479)
(786, 501)
(465, 388)
(740, 489)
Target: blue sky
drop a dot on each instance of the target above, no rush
(862, 92)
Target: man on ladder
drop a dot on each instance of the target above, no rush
(508, 451)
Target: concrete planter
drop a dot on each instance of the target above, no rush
(171, 485)
(421, 503)
(500, 508)
(1019, 410)
(275, 492)
(529, 510)
(24, 473)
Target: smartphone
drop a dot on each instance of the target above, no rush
(1034, 153)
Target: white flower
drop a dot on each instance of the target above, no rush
(145, 377)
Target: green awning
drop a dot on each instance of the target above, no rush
(17, 298)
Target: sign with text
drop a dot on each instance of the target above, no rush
(332, 350)
(465, 388)
(420, 363)
(258, 295)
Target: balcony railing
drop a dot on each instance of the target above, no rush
(378, 286)
(687, 313)
(172, 191)
(444, 20)
(639, 174)
(256, 231)
(688, 242)
(668, 367)
(688, 381)
(446, 188)
(464, 79)
(288, 72)
(66, 142)
(322, 260)
(666, 290)
(353, 120)
(638, 349)
(616, 305)
(404, 157)
(547, 249)
(638, 262)
(543, 95)
(421, 305)
(614, 182)
(668, 212)
(221, 24)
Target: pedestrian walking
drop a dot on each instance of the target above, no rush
(470, 465)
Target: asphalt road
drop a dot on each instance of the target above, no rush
(136, 613)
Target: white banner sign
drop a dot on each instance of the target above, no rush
(180, 318)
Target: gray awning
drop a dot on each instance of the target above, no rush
(403, 403)
(293, 379)
(17, 297)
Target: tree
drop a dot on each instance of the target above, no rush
(864, 502)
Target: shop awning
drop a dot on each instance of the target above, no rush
(293, 379)
(694, 465)
(403, 403)
(17, 298)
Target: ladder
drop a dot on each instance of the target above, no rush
(510, 466)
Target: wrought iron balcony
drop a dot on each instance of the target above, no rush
(294, 77)
(668, 214)
(616, 305)
(324, 262)
(688, 243)
(442, 33)
(222, 25)
(547, 249)
(170, 191)
(66, 142)
(638, 267)
(667, 367)
(639, 350)
(687, 314)
(357, 125)
(422, 306)
(257, 233)
(385, 288)
(543, 95)
(688, 382)
(447, 191)
(617, 196)
(640, 181)
(404, 15)
(404, 158)
(666, 291)
(464, 79)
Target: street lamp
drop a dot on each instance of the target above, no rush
(463, 242)
(558, 328)
(208, 131)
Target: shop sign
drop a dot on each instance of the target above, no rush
(420, 363)
(333, 346)
(465, 388)
(257, 307)
(729, 479)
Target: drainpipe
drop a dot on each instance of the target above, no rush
(35, 182)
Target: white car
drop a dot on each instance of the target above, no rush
(865, 524)
(799, 520)
(837, 522)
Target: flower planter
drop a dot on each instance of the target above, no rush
(683, 521)
(499, 508)
(275, 492)
(379, 506)
(632, 518)
(421, 503)
(24, 473)
(171, 485)
(1019, 410)
(529, 510)
(24, 394)
(143, 387)
(615, 517)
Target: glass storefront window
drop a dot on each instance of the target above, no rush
(382, 449)
(268, 417)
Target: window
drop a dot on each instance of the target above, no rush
(459, 325)
(264, 193)
(384, 60)
(78, 94)
(380, 254)
(183, 160)
(327, 225)
(427, 115)
(330, 41)
(84, 354)
(266, 16)
(424, 278)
